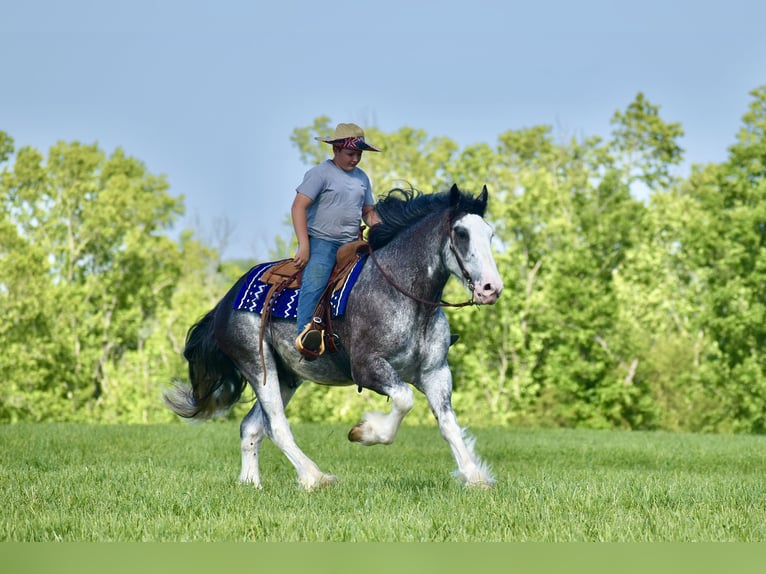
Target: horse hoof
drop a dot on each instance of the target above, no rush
(355, 434)
(324, 481)
(328, 480)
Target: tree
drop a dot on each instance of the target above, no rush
(725, 245)
(556, 349)
(552, 350)
(90, 265)
(616, 313)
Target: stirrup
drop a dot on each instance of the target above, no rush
(310, 342)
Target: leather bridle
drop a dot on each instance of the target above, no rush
(442, 303)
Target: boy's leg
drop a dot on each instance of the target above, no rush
(314, 278)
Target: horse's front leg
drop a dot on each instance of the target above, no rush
(471, 470)
(376, 427)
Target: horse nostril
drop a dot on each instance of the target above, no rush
(488, 288)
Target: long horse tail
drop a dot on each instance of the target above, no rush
(216, 383)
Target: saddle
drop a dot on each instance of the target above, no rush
(285, 275)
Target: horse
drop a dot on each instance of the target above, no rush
(394, 334)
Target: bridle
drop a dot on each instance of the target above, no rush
(442, 303)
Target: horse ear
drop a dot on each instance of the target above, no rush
(484, 195)
(454, 195)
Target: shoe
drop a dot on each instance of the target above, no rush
(310, 343)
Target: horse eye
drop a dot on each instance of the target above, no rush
(461, 234)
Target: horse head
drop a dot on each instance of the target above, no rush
(468, 253)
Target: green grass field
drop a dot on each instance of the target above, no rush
(179, 483)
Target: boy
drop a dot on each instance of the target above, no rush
(326, 212)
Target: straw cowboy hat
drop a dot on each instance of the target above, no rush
(349, 136)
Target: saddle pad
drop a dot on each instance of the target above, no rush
(252, 294)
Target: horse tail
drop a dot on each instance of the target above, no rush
(216, 383)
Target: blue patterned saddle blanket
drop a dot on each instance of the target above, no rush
(252, 295)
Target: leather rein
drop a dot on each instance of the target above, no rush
(414, 297)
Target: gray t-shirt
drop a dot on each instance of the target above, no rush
(338, 200)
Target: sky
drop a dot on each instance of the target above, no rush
(208, 93)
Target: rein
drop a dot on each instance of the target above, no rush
(273, 293)
(414, 297)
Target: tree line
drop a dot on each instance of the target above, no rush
(635, 296)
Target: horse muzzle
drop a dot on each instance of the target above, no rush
(487, 291)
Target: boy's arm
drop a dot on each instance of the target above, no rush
(370, 216)
(300, 224)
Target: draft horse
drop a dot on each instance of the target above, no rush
(394, 334)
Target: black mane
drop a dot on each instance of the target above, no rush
(400, 208)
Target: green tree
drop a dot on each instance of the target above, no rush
(659, 293)
(89, 266)
(555, 349)
(27, 370)
(645, 147)
(616, 313)
(725, 245)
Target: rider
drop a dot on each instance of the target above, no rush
(326, 213)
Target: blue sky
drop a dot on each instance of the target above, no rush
(208, 93)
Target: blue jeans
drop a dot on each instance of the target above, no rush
(315, 276)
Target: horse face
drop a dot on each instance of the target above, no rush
(471, 238)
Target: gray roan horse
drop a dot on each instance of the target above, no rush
(393, 330)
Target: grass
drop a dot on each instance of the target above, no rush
(71, 483)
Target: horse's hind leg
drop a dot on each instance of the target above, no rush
(471, 470)
(252, 430)
(267, 418)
